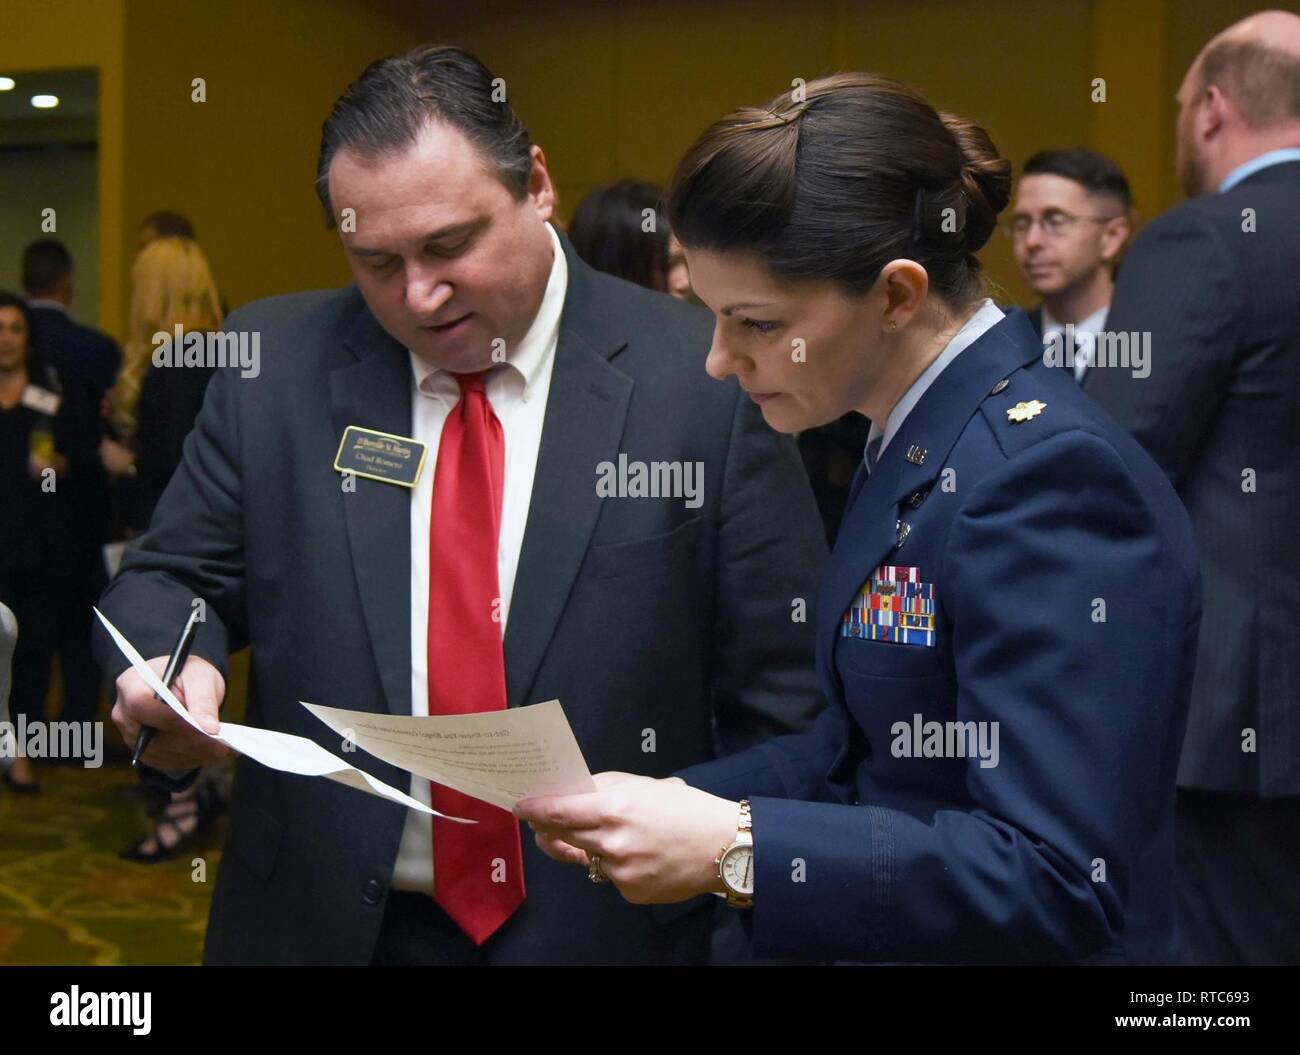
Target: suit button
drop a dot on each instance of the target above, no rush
(372, 891)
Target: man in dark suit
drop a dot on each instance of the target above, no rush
(80, 354)
(670, 623)
(1214, 283)
(86, 362)
(1072, 220)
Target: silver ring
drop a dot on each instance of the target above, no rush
(593, 870)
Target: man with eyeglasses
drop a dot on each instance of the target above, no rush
(1070, 225)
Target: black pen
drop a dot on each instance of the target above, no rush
(174, 665)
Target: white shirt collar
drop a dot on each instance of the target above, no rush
(1094, 323)
(988, 316)
(532, 352)
(46, 302)
(1085, 338)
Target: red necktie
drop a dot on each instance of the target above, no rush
(478, 869)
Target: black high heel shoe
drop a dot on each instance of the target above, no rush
(203, 808)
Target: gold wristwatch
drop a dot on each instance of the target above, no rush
(736, 863)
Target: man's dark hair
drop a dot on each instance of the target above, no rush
(46, 263)
(169, 224)
(1093, 171)
(385, 109)
(608, 232)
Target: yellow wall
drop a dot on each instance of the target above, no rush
(64, 179)
(242, 164)
(54, 34)
(608, 89)
(612, 90)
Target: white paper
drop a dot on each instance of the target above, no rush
(280, 751)
(499, 757)
(113, 553)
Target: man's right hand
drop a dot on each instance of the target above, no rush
(176, 745)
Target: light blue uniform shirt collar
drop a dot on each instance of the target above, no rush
(988, 316)
(1273, 157)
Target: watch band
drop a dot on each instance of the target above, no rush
(744, 837)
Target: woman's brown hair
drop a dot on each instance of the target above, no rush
(832, 187)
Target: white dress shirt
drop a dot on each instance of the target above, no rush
(46, 302)
(1085, 333)
(988, 316)
(517, 390)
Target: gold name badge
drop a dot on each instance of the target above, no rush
(380, 456)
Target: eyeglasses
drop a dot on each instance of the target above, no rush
(1055, 224)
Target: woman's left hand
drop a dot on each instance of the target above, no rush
(657, 839)
(118, 459)
(36, 466)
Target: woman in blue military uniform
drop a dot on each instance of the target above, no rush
(1007, 626)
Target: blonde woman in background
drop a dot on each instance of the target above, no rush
(150, 411)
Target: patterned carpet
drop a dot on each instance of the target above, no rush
(66, 897)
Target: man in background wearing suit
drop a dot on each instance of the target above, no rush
(1214, 281)
(1071, 222)
(86, 362)
(81, 354)
(669, 626)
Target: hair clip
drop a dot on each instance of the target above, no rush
(918, 214)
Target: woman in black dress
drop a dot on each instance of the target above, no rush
(40, 447)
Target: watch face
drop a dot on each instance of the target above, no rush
(738, 870)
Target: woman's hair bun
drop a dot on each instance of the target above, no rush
(985, 176)
(859, 172)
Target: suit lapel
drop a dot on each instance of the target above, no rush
(375, 393)
(867, 534)
(585, 413)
